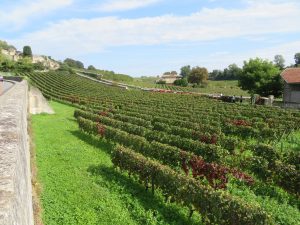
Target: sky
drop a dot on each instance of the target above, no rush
(149, 37)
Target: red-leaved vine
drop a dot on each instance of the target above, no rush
(243, 123)
(209, 139)
(103, 113)
(216, 175)
(101, 129)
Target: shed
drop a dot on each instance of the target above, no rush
(291, 93)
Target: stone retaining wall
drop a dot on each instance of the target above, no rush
(13, 78)
(15, 177)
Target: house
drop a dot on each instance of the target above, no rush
(169, 78)
(291, 94)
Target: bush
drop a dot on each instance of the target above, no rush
(287, 176)
(267, 152)
(182, 82)
(91, 67)
(161, 82)
(38, 66)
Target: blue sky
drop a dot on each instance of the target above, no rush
(149, 37)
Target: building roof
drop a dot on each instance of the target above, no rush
(291, 75)
(171, 76)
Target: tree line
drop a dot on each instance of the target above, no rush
(257, 76)
(70, 64)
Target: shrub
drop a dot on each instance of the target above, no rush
(161, 82)
(181, 82)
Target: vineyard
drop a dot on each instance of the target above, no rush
(218, 160)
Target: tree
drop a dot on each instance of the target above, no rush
(261, 77)
(232, 72)
(27, 51)
(91, 67)
(279, 61)
(74, 63)
(297, 59)
(215, 74)
(198, 75)
(185, 71)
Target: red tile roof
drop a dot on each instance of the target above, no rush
(291, 75)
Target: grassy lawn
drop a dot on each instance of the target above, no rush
(229, 87)
(80, 185)
(226, 87)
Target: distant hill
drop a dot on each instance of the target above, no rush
(108, 75)
(92, 71)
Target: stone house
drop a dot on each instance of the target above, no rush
(291, 94)
(12, 54)
(169, 78)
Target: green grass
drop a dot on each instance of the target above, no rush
(80, 185)
(146, 82)
(292, 142)
(229, 87)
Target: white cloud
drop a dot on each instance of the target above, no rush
(213, 61)
(123, 5)
(288, 50)
(22, 13)
(95, 35)
(219, 54)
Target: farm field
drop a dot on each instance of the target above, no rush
(219, 163)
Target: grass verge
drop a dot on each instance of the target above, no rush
(36, 188)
